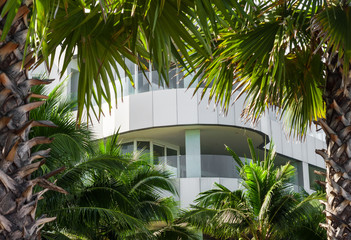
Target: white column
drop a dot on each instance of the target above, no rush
(193, 153)
(306, 177)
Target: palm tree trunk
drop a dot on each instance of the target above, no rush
(17, 202)
(337, 127)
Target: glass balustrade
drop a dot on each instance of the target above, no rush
(144, 80)
(211, 166)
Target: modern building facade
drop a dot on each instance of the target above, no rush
(187, 136)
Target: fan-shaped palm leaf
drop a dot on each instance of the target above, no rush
(266, 209)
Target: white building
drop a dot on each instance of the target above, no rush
(187, 136)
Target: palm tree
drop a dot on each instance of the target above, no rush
(266, 207)
(69, 141)
(100, 182)
(101, 33)
(293, 56)
(112, 197)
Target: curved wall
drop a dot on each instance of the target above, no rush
(178, 107)
(150, 112)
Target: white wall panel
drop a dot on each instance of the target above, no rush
(189, 190)
(319, 160)
(311, 155)
(286, 144)
(97, 128)
(226, 119)
(109, 122)
(230, 183)
(122, 115)
(140, 108)
(207, 111)
(165, 107)
(265, 124)
(297, 149)
(208, 183)
(238, 109)
(187, 110)
(276, 136)
(304, 151)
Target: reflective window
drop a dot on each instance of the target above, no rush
(172, 157)
(315, 177)
(156, 82)
(143, 76)
(143, 83)
(74, 84)
(143, 146)
(127, 147)
(143, 80)
(165, 156)
(180, 83)
(172, 74)
(182, 166)
(131, 67)
(218, 166)
(159, 153)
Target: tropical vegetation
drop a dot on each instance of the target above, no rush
(292, 57)
(101, 34)
(110, 195)
(267, 207)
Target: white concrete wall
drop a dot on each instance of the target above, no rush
(189, 188)
(174, 107)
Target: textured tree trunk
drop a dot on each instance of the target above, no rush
(17, 202)
(337, 127)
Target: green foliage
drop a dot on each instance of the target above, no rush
(69, 142)
(110, 195)
(266, 207)
(276, 53)
(103, 33)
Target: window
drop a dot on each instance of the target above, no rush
(175, 76)
(166, 156)
(315, 177)
(144, 147)
(172, 75)
(156, 82)
(143, 76)
(74, 84)
(127, 147)
(172, 157)
(159, 154)
(131, 67)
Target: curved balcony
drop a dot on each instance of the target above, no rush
(218, 166)
(160, 113)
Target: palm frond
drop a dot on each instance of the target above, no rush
(263, 208)
(271, 61)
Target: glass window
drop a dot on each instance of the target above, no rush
(172, 74)
(172, 157)
(74, 84)
(143, 76)
(182, 163)
(186, 81)
(144, 147)
(127, 147)
(155, 80)
(218, 166)
(180, 83)
(143, 83)
(131, 67)
(159, 153)
(315, 177)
